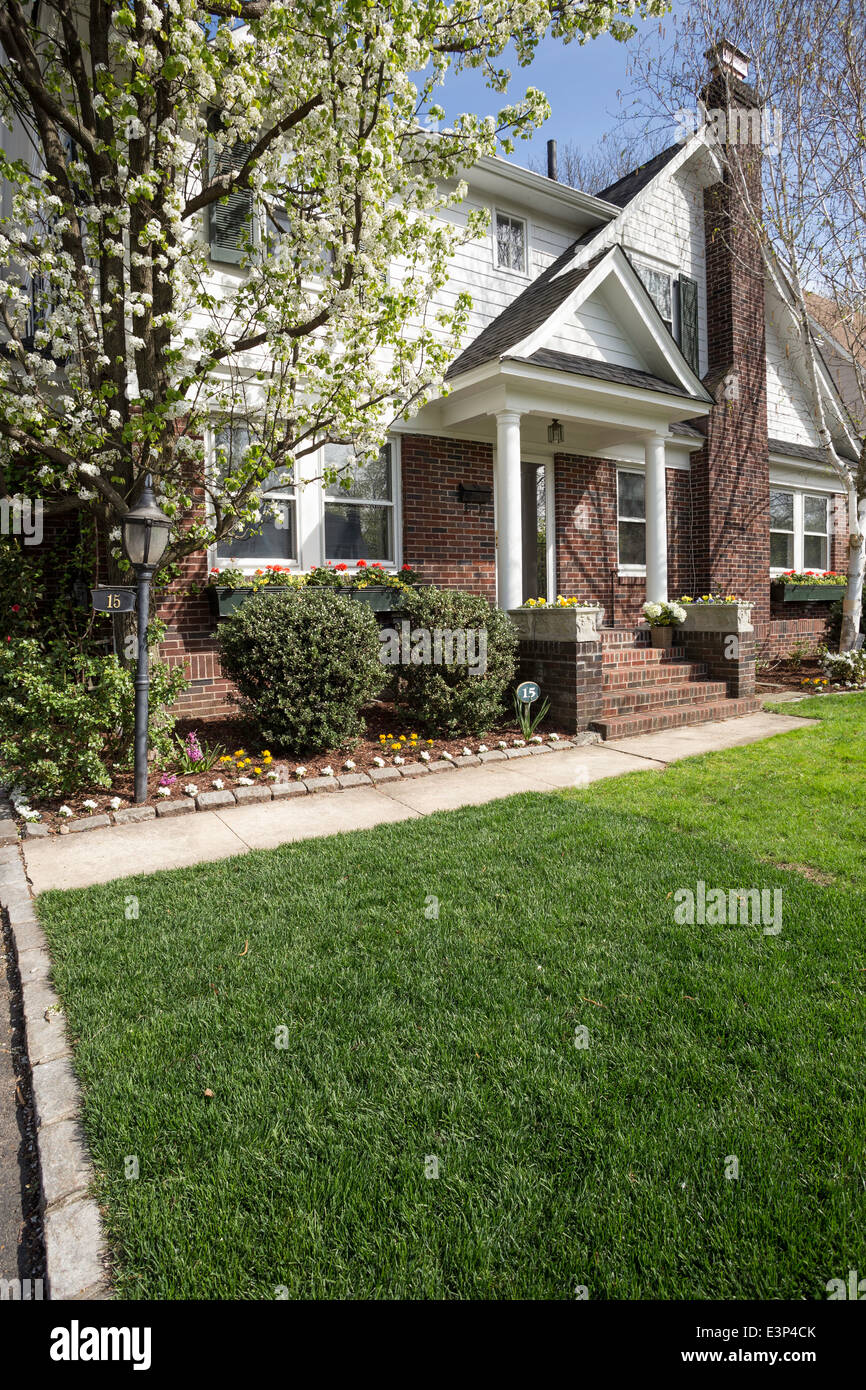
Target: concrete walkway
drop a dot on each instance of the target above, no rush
(96, 856)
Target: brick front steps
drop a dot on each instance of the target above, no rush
(650, 688)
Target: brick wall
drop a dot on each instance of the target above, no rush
(586, 538)
(451, 543)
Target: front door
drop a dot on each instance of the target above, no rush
(535, 528)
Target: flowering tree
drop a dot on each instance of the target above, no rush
(224, 212)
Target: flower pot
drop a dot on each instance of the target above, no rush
(717, 617)
(807, 593)
(662, 636)
(555, 624)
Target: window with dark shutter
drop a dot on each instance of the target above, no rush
(229, 221)
(689, 322)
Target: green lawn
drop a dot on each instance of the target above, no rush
(410, 1037)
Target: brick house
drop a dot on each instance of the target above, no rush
(627, 418)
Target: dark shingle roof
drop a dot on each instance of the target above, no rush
(631, 184)
(603, 371)
(528, 311)
(806, 451)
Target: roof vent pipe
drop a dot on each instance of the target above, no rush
(551, 159)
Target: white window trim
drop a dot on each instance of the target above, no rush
(309, 501)
(799, 532)
(395, 504)
(630, 571)
(673, 276)
(508, 269)
(249, 566)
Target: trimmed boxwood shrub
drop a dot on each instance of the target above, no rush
(305, 664)
(444, 696)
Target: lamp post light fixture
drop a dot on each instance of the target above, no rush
(554, 432)
(145, 536)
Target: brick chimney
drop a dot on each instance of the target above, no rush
(730, 475)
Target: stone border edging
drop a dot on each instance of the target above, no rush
(72, 1225)
(277, 791)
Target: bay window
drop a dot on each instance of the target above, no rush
(799, 530)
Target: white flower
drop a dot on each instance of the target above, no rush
(348, 765)
(270, 777)
(245, 782)
(398, 762)
(519, 743)
(424, 756)
(554, 738)
(163, 791)
(65, 812)
(482, 748)
(31, 815)
(115, 803)
(219, 783)
(89, 805)
(327, 771)
(467, 752)
(378, 762)
(502, 743)
(191, 789)
(448, 757)
(300, 772)
(536, 738)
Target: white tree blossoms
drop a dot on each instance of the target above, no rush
(201, 211)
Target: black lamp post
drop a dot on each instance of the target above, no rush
(145, 536)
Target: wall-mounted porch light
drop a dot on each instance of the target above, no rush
(554, 432)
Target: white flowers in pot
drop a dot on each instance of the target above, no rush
(664, 614)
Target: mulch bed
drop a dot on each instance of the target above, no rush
(235, 735)
(784, 675)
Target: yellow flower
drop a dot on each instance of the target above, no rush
(430, 743)
(395, 748)
(257, 771)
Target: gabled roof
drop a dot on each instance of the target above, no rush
(528, 311)
(628, 187)
(522, 330)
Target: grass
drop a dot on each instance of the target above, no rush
(410, 1037)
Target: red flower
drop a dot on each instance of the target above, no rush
(15, 607)
(341, 567)
(407, 567)
(362, 564)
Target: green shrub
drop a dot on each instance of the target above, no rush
(445, 696)
(305, 663)
(67, 720)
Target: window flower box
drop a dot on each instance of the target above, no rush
(807, 593)
(224, 600)
(716, 614)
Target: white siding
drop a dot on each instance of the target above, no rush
(595, 331)
(788, 412)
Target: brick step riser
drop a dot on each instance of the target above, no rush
(635, 677)
(655, 720)
(643, 656)
(623, 638)
(678, 696)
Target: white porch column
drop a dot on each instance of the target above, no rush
(509, 539)
(656, 520)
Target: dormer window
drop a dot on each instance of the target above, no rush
(510, 242)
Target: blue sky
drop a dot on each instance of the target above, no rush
(587, 86)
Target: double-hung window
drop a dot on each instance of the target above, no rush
(510, 242)
(359, 519)
(799, 530)
(273, 538)
(631, 521)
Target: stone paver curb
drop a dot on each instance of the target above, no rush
(72, 1226)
